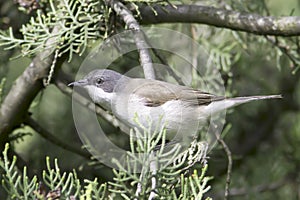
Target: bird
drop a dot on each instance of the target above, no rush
(181, 110)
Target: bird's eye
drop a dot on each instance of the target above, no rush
(99, 81)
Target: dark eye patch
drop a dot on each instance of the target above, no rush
(98, 81)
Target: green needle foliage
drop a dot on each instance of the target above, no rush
(159, 170)
(53, 185)
(17, 185)
(150, 170)
(77, 23)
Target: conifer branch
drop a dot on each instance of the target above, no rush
(55, 140)
(140, 41)
(234, 20)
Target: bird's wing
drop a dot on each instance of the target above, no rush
(204, 98)
(156, 93)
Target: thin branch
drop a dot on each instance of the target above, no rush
(240, 21)
(53, 139)
(153, 169)
(16, 104)
(229, 166)
(139, 186)
(164, 62)
(140, 42)
(283, 48)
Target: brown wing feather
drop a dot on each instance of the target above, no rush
(167, 92)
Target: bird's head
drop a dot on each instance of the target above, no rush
(100, 85)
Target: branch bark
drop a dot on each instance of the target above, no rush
(240, 21)
(229, 165)
(140, 41)
(55, 140)
(14, 108)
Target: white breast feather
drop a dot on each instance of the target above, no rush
(99, 96)
(177, 117)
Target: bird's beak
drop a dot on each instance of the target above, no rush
(80, 83)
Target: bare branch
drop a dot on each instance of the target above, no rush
(285, 49)
(240, 21)
(229, 166)
(153, 169)
(16, 104)
(55, 140)
(164, 62)
(140, 41)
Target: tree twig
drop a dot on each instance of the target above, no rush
(140, 42)
(283, 48)
(139, 186)
(153, 169)
(164, 62)
(239, 21)
(53, 139)
(16, 104)
(229, 166)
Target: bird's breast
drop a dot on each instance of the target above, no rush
(175, 115)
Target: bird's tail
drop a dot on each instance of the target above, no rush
(220, 105)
